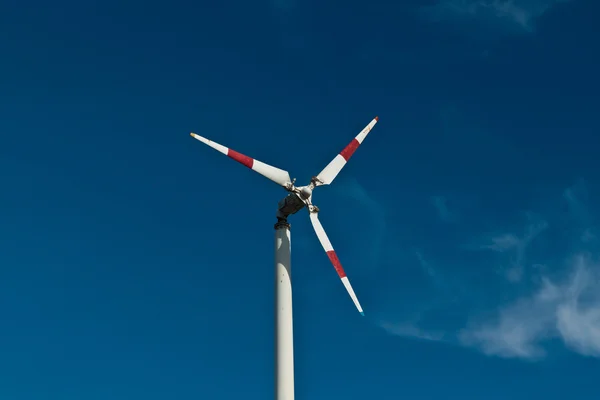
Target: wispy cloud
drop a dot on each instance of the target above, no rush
(412, 330)
(564, 305)
(441, 205)
(437, 278)
(515, 246)
(558, 302)
(589, 235)
(582, 223)
(426, 266)
(518, 13)
(576, 197)
(284, 5)
(568, 310)
(414, 320)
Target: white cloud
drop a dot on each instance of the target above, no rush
(569, 311)
(503, 242)
(519, 13)
(557, 300)
(566, 309)
(515, 246)
(516, 330)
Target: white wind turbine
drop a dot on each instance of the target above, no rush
(297, 198)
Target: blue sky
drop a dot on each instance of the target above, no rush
(137, 262)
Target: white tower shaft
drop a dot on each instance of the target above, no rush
(284, 336)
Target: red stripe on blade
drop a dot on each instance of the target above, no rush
(336, 263)
(239, 157)
(350, 149)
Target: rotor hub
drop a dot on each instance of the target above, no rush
(305, 192)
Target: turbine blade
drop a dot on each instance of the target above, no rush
(314, 218)
(329, 173)
(275, 174)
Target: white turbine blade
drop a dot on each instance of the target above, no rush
(314, 218)
(329, 173)
(275, 174)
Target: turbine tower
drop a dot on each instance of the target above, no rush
(297, 198)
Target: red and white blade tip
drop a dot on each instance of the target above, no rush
(337, 265)
(335, 166)
(275, 174)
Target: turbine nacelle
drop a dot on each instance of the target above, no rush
(297, 199)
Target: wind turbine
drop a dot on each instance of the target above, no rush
(298, 198)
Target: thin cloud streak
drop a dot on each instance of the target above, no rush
(441, 205)
(576, 197)
(515, 246)
(517, 13)
(411, 330)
